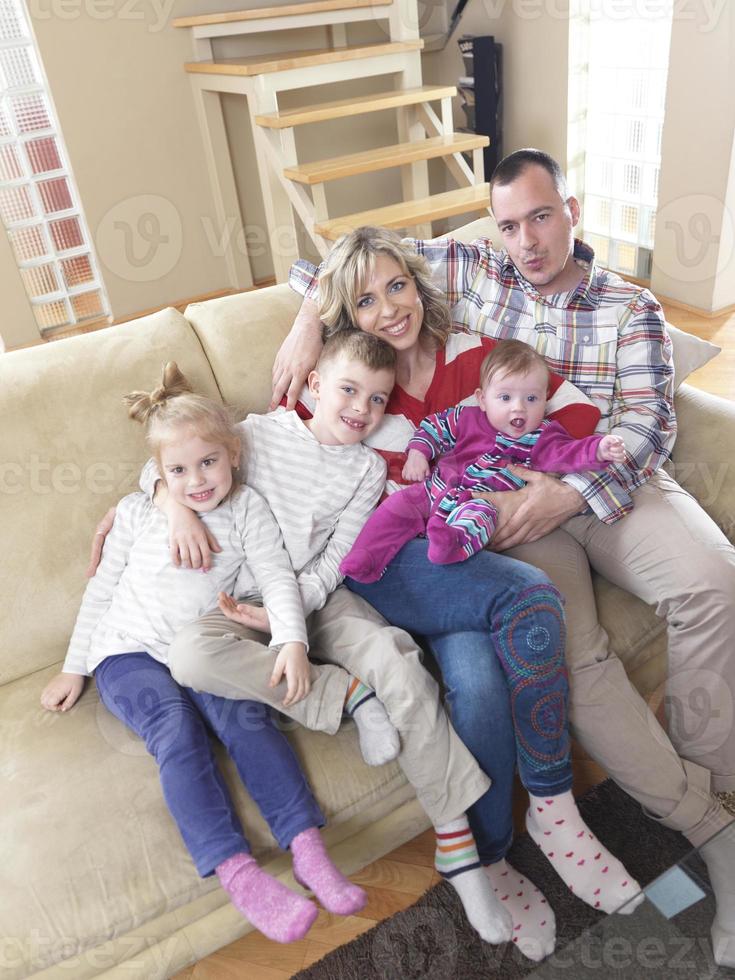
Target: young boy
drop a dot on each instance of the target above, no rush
(321, 484)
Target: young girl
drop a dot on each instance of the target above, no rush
(474, 446)
(129, 614)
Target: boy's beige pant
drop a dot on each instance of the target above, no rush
(216, 655)
(673, 556)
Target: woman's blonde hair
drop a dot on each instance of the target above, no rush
(348, 268)
(173, 404)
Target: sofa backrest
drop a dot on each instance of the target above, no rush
(67, 453)
(241, 335)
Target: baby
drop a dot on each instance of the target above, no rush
(474, 447)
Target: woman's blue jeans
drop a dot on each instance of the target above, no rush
(495, 626)
(175, 723)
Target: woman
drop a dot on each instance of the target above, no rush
(374, 281)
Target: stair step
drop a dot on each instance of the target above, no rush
(356, 106)
(384, 157)
(289, 10)
(287, 60)
(410, 213)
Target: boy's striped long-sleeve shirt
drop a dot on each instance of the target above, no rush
(320, 496)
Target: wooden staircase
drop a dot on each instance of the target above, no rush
(294, 188)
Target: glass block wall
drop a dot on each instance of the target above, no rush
(617, 91)
(39, 203)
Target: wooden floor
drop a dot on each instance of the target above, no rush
(396, 881)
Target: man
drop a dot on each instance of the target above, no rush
(632, 523)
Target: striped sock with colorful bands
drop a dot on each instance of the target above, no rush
(357, 694)
(457, 860)
(379, 741)
(455, 851)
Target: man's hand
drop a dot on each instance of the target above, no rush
(191, 543)
(98, 541)
(297, 356)
(528, 514)
(62, 692)
(293, 662)
(254, 617)
(416, 467)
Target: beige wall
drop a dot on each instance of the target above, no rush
(693, 259)
(17, 324)
(535, 56)
(127, 115)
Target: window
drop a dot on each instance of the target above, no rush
(39, 203)
(617, 88)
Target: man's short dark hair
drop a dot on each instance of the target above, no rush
(512, 166)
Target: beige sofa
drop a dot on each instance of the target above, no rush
(93, 877)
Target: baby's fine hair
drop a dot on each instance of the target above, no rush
(173, 405)
(365, 348)
(510, 357)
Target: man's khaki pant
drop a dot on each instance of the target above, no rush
(216, 655)
(674, 557)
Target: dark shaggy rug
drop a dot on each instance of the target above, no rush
(432, 940)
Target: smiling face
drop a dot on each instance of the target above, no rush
(537, 228)
(514, 403)
(350, 400)
(198, 473)
(389, 305)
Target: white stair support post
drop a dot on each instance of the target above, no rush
(300, 200)
(414, 177)
(208, 108)
(279, 214)
(337, 35)
(478, 165)
(319, 195)
(447, 116)
(432, 123)
(458, 168)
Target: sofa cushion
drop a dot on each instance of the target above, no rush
(69, 452)
(94, 851)
(241, 335)
(690, 353)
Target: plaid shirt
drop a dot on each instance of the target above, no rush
(606, 336)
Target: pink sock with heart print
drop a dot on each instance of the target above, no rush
(590, 870)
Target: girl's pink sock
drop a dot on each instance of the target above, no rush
(272, 908)
(313, 868)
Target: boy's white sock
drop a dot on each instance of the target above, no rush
(379, 740)
(457, 860)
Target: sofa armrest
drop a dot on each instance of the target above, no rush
(702, 460)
